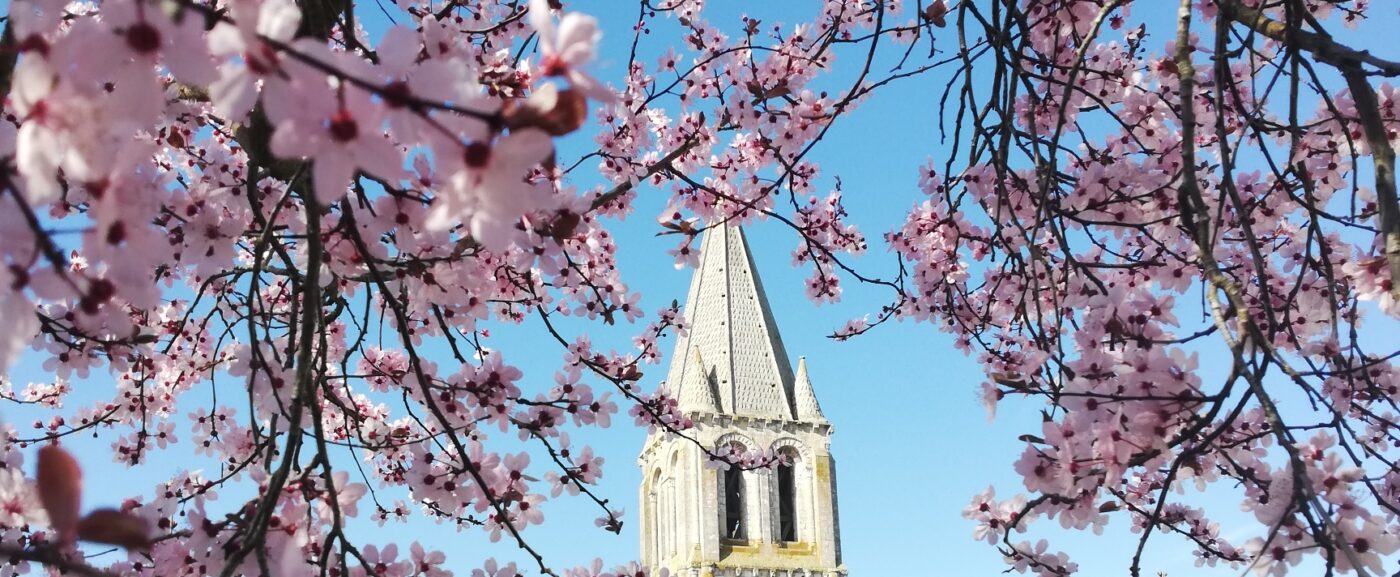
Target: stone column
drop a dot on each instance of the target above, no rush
(828, 536)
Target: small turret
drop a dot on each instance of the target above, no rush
(696, 391)
(804, 398)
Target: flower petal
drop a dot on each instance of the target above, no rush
(279, 19)
(225, 39)
(543, 24)
(379, 157)
(293, 140)
(520, 150)
(234, 93)
(398, 49)
(331, 176)
(577, 35)
(185, 52)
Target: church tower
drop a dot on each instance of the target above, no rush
(731, 376)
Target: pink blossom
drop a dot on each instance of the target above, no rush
(565, 49)
(340, 133)
(489, 188)
(254, 25)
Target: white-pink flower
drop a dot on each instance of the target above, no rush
(250, 57)
(19, 504)
(341, 132)
(21, 321)
(428, 563)
(488, 190)
(565, 49)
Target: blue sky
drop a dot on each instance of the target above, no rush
(912, 442)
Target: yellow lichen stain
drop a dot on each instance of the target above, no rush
(824, 471)
(738, 546)
(769, 555)
(796, 549)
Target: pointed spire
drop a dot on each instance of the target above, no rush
(804, 399)
(697, 391)
(733, 329)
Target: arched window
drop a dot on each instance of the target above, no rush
(791, 481)
(734, 503)
(787, 503)
(731, 492)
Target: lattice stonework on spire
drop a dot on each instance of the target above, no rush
(734, 333)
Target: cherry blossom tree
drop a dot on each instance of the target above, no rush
(274, 204)
(1112, 210)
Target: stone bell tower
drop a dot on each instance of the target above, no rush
(732, 376)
